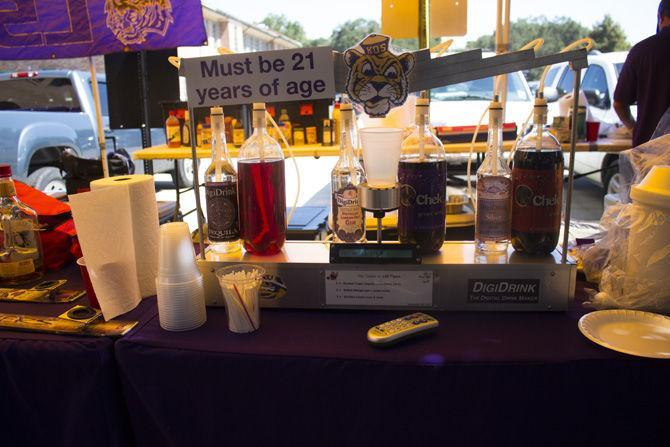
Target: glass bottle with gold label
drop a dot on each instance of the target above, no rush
(348, 218)
(21, 250)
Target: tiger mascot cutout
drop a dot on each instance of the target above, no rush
(132, 20)
(378, 78)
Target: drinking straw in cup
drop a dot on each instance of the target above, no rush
(240, 285)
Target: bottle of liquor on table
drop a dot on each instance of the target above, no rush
(207, 131)
(537, 182)
(238, 133)
(21, 250)
(422, 174)
(286, 126)
(186, 130)
(348, 218)
(172, 130)
(262, 190)
(337, 121)
(494, 190)
(327, 133)
(223, 231)
(198, 135)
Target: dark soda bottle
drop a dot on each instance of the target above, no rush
(537, 185)
(422, 175)
(261, 190)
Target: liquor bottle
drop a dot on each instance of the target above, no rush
(207, 131)
(286, 126)
(537, 182)
(198, 135)
(422, 174)
(348, 218)
(262, 190)
(186, 130)
(327, 133)
(337, 118)
(21, 250)
(223, 231)
(238, 133)
(172, 130)
(494, 190)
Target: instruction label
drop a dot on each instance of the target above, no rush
(299, 74)
(379, 288)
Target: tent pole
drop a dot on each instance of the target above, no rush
(98, 117)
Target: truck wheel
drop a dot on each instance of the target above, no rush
(48, 180)
(612, 177)
(185, 173)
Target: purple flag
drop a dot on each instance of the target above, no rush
(51, 29)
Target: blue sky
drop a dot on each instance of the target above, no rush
(319, 17)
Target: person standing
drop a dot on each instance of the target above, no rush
(645, 79)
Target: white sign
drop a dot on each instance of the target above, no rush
(379, 288)
(269, 76)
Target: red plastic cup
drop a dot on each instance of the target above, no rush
(592, 130)
(88, 285)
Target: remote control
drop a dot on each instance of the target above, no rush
(402, 328)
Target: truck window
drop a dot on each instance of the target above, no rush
(551, 74)
(39, 94)
(102, 89)
(565, 84)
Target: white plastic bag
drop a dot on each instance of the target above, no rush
(621, 285)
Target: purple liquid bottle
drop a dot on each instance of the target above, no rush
(422, 174)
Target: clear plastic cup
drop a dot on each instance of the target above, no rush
(176, 255)
(181, 307)
(381, 155)
(240, 285)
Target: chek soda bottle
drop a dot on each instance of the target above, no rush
(422, 174)
(348, 216)
(223, 231)
(261, 190)
(494, 190)
(537, 179)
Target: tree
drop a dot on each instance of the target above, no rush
(290, 28)
(609, 36)
(351, 32)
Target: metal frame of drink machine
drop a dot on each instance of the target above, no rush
(454, 279)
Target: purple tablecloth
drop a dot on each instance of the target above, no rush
(309, 377)
(61, 390)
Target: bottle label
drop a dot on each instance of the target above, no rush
(423, 193)
(494, 208)
(327, 140)
(348, 214)
(222, 223)
(18, 268)
(173, 134)
(538, 195)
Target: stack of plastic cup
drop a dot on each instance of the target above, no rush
(179, 287)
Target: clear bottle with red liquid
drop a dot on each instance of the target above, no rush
(261, 190)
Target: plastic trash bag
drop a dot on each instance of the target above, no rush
(636, 163)
(621, 285)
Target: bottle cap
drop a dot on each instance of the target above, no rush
(216, 111)
(259, 106)
(5, 170)
(422, 102)
(495, 104)
(338, 105)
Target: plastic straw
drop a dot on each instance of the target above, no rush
(422, 131)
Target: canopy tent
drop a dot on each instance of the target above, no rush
(55, 29)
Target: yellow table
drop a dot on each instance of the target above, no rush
(163, 152)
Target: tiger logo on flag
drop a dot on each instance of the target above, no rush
(132, 21)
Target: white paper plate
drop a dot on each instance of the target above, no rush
(634, 332)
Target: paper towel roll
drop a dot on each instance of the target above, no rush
(144, 221)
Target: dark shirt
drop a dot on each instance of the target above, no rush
(645, 78)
